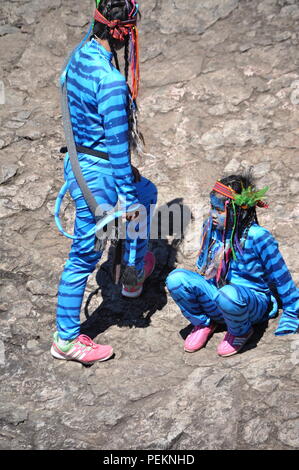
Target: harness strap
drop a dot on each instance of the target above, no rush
(87, 151)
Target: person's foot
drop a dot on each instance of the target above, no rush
(135, 291)
(81, 349)
(231, 344)
(198, 337)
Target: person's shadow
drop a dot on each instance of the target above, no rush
(123, 312)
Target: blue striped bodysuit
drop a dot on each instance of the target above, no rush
(98, 102)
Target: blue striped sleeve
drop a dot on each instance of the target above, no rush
(112, 99)
(276, 269)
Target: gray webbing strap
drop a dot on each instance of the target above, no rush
(75, 164)
(69, 137)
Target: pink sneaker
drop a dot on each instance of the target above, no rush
(149, 266)
(198, 337)
(231, 344)
(81, 349)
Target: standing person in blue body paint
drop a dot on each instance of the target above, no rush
(237, 263)
(100, 103)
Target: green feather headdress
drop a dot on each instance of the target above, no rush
(250, 198)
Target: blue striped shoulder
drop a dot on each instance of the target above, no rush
(258, 234)
(112, 95)
(261, 241)
(112, 80)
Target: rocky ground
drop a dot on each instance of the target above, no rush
(220, 92)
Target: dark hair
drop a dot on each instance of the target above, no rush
(114, 10)
(238, 182)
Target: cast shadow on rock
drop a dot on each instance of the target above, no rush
(123, 312)
(259, 329)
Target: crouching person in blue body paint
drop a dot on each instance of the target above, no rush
(102, 114)
(237, 263)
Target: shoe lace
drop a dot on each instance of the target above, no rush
(87, 341)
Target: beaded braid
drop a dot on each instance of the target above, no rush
(127, 58)
(110, 41)
(131, 119)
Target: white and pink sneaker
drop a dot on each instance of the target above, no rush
(81, 349)
(231, 344)
(133, 292)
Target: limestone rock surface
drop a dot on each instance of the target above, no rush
(219, 93)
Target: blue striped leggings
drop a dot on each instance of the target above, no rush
(202, 302)
(82, 258)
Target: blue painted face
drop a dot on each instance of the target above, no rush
(217, 212)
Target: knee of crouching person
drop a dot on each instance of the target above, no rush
(177, 278)
(172, 280)
(229, 299)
